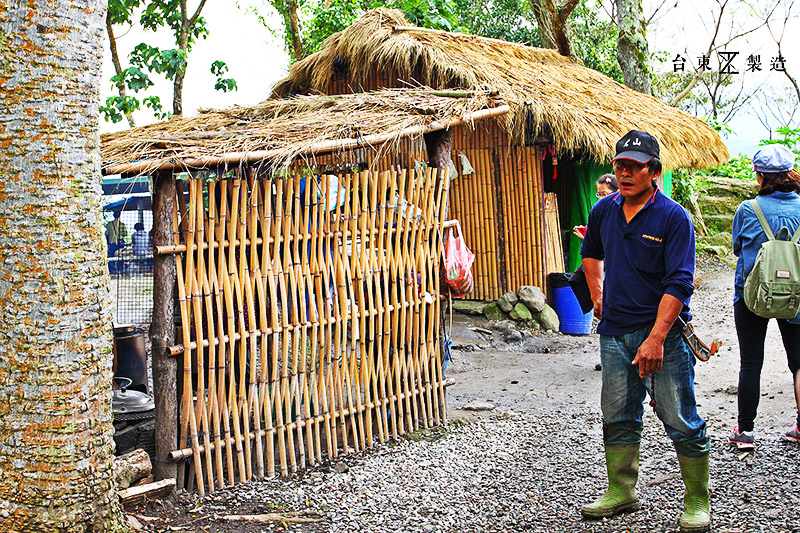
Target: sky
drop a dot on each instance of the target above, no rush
(257, 59)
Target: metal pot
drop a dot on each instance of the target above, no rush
(130, 357)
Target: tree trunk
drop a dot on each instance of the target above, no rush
(551, 22)
(294, 30)
(177, 83)
(632, 53)
(56, 457)
(112, 43)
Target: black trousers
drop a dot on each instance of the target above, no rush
(752, 332)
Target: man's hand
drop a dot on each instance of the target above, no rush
(593, 268)
(598, 307)
(649, 356)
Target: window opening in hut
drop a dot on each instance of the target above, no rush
(128, 230)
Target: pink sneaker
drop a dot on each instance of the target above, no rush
(793, 435)
(743, 440)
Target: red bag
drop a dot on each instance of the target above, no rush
(458, 263)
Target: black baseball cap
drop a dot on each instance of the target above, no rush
(637, 146)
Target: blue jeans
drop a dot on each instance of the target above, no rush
(624, 392)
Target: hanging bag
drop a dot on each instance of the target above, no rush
(458, 263)
(772, 289)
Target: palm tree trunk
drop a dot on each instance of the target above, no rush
(56, 457)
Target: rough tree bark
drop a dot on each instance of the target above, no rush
(56, 446)
(551, 23)
(632, 52)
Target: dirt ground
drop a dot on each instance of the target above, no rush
(488, 369)
(548, 377)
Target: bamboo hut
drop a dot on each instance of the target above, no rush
(531, 166)
(305, 269)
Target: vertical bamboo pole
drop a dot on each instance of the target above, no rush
(198, 299)
(441, 212)
(225, 315)
(342, 316)
(279, 348)
(308, 363)
(232, 294)
(252, 281)
(215, 321)
(354, 282)
(327, 246)
(184, 290)
(390, 320)
(269, 301)
(382, 303)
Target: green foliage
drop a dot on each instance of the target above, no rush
(154, 103)
(146, 59)
(168, 62)
(720, 127)
(218, 69)
(683, 186)
(120, 11)
(508, 20)
(324, 18)
(117, 107)
(791, 138)
(595, 40)
(740, 167)
(437, 14)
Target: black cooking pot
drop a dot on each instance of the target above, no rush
(131, 356)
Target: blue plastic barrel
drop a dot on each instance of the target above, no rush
(570, 317)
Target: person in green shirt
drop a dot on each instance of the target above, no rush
(116, 235)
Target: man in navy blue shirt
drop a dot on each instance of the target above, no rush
(644, 242)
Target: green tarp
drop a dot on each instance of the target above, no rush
(583, 198)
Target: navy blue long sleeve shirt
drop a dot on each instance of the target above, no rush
(646, 258)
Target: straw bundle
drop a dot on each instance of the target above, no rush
(580, 109)
(282, 130)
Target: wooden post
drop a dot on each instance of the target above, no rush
(162, 330)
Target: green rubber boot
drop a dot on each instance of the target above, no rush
(622, 464)
(696, 509)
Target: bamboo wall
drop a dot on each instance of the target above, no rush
(306, 332)
(501, 206)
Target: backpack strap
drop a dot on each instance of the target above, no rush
(763, 221)
(796, 235)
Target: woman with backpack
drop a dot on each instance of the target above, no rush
(779, 201)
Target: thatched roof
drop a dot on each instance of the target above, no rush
(282, 130)
(580, 109)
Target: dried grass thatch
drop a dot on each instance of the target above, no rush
(282, 130)
(580, 109)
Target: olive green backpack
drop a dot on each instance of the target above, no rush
(772, 289)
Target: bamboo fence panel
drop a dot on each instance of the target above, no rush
(555, 253)
(310, 313)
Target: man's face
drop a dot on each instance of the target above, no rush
(634, 179)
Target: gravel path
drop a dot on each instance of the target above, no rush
(530, 468)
